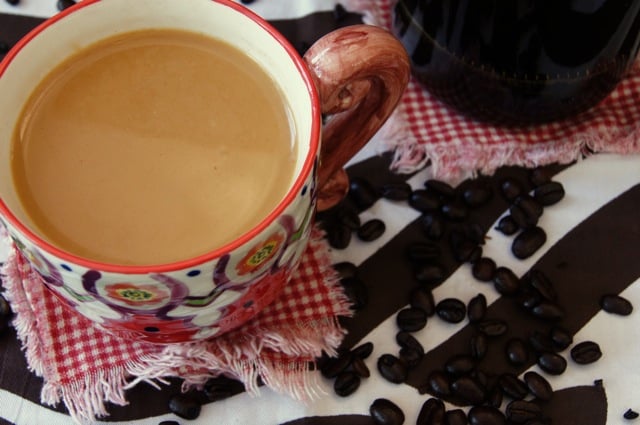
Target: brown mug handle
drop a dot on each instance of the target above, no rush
(360, 73)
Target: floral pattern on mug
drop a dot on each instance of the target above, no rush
(162, 292)
(260, 254)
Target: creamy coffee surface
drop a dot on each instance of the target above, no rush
(152, 147)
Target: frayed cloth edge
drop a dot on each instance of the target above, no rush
(466, 158)
(281, 358)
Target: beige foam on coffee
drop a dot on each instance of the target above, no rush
(152, 147)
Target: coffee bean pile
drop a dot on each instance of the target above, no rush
(347, 369)
(342, 221)
(447, 210)
(188, 405)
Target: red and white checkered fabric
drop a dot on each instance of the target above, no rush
(454, 144)
(80, 363)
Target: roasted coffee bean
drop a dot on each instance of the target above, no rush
(513, 387)
(530, 206)
(371, 230)
(529, 298)
(477, 194)
(505, 281)
(410, 357)
(560, 338)
(455, 417)
(474, 232)
(548, 193)
(222, 387)
(469, 390)
(525, 211)
(356, 291)
(346, 383)
(460, 364)
(433, 226)
(359, 367)
(511, 189)
(537, 280)
(451, 310)
(485, 415)
(528, 242)
(338, 235)
(586, 352)
(432, 412)
(521, 411)
(493, 327)
(540, 176)
(13, 2)
(386, 412)
(423, 251)
(477, 308)
(476, 254)
(345, 269)
(517, 352)
(507, 225)
(406, 340)
(630, 414)
(481, 377)
(483, 269)
(548, 310)
(424, 201)
(392, 368)
(185, 406)
(363, 350)
(64, 4)
(478, 346)
(540, 342)
(615, 304)
(495, 396)
(349, 218)
(333, 366)
(454, 211)
(463, 250)
(538, 385)
(439, 383)
(552, 363)
(422, 297)
(362, 193)
(430, 274)
(441, 188)
(400, 191)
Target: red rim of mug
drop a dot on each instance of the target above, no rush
(307, 167)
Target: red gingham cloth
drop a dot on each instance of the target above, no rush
(454, 144)
(84, 366)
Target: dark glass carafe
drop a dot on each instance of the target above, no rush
(519, 61)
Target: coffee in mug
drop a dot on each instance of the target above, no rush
(151, 147)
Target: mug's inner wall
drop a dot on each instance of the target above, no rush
(107, 18)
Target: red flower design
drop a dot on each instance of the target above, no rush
(260, 254)
(137, 295)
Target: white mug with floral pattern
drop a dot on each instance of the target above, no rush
(355, 76)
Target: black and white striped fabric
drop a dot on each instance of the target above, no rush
(592, 248)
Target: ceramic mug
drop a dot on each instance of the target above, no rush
(356, 75)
